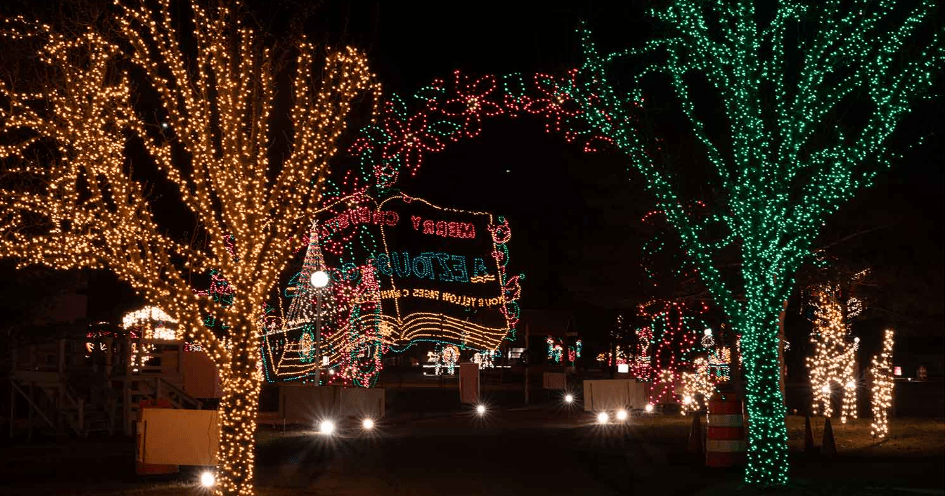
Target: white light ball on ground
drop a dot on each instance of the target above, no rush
(621, 415)
(368, 424)
(568, 398)
(326, 427)
(649, 408)
(207, 479)
(481, 409)
(319, 279)
(602, 418)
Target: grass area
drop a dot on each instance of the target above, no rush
(910, 457)
(907, 436)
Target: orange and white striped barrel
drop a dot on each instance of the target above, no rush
(725, 434)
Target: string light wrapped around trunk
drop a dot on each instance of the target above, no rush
(780, 172)
(211, 143)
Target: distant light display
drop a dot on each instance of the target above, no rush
(882, 391)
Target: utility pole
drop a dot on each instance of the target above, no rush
(318, 336)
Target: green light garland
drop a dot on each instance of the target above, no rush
(781, 175)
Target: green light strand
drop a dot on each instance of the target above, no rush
(782, 175)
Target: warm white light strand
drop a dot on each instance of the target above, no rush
(881, 372)
(84, 209)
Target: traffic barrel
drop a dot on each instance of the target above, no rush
(725, 433)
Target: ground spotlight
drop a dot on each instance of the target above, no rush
(481, 409)
(649, 408)
(569, 398)
(621, 415)
(326, 427)
(602, 418)
(368, 424)
(207, 479)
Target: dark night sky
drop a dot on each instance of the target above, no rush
(574, 216)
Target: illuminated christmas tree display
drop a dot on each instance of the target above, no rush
(317, 320)
(781, 171)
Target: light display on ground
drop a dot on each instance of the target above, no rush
(485, 359)
(608, 357)
(149, 323)
(555, 349)
(673, 327)
(720, 364)
(834, 360)
(707, 340)
(696, 384)
(411, 128)
(666, 346)
(418, 273)
(881, 374)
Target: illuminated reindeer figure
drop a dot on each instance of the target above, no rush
(834, 357)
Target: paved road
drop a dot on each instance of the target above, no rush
(520, 452)
(550, 452)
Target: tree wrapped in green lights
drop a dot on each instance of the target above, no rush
(780, 76)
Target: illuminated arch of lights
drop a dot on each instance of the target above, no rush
(355, 332)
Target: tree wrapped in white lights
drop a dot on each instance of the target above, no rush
(695, 384)
(881, 372)
(781, 73)
(834, 359)
(69, 200)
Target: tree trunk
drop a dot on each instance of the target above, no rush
(767, 432)
(237, 413)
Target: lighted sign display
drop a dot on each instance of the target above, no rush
(401, 271)
(442, 276)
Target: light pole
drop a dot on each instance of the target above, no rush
(319, 281)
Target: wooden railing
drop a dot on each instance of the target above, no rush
(33, 407)
(139, 388)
